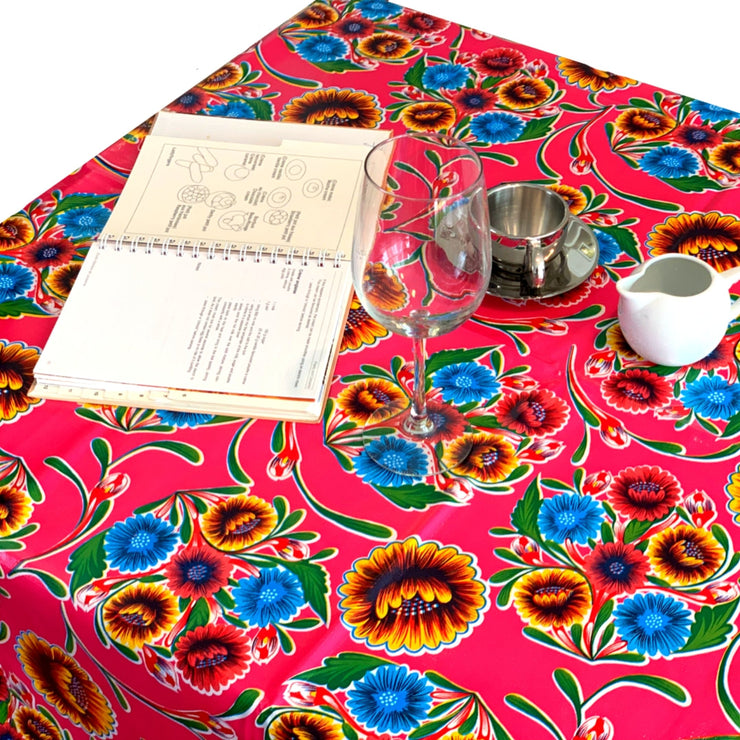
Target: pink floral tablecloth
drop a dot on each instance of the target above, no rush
(574, 574)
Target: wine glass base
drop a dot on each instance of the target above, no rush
(405, 449)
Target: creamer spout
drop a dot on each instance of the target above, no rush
(635, 298)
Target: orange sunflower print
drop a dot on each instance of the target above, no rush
(366, 397)
(523, 93)
(140, 613)
(334, 107)
(227, 76)
(15, 232)
(431, 115)
(644, 124)
(16, 376)
(711, 237)
(382, 288)
(486, 457)
(361, 329)
(615, 341)
(590, 77)
(238, 522)
(412, 596)
(32, 725)
(552, 597)
(61, 280)
(317, 15)
(64, 684)
(294, 725)
(384, 46)
(15, 509)
(727, 157)
(733, 491)
(575, 198)
(684, 555)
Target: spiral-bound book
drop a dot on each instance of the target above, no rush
(222, 281)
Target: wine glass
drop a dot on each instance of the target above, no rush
(421, 258)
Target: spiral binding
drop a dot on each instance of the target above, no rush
(204, 249)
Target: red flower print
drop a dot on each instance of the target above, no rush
(473, 100)
(645, 492)
(212, 657)
(414, 22)
(616, 567)
(197, 571)
(534, 413)
(191, 101)
(450, 423)
(9, 733)
(48, 253)
(354, 27)
(697, 137)
(499, 62)
(723, 355)
(636, 390)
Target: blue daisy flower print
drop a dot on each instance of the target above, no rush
(496, 127)
(653, 623)
(393, 462)
(233, 109)
(609, 248)
(713, 113)
(15, 280)
(377, 9)
(712, 397)
(183, 418)
(274, 596)
(390, 698)
(139, 543)
(448, 76)
(669, 162)
(84, 223)
(322, 48)
(466, 382)
(569, 516)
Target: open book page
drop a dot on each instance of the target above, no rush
(222, 281)
(294, 195)
(222, 325)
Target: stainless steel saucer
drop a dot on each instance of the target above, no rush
(569, 269)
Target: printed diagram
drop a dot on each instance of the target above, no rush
(193, 194)
(236, 172)
(269, 206)
(201, 194)
(233, 221)
(222, 199)
(279, 197)
(312, 187)
(201, 161)
(276, 217)
(295, 169)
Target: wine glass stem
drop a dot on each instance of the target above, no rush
(418, 423)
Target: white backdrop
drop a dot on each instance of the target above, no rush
(76, 75)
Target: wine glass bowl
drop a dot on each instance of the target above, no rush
(421, 258)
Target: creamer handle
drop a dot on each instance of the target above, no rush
(730, 276)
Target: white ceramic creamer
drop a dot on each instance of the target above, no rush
(674, 309)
